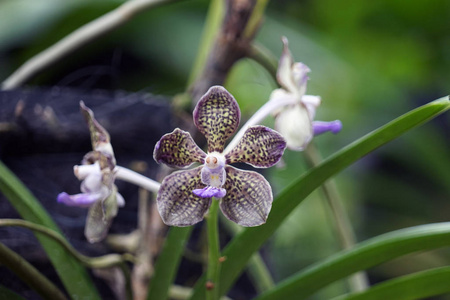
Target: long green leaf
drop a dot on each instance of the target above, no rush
(363, 256)
(168, 261)
(240, 249)
(73, 275)
(419, 285)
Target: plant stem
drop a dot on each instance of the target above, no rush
(137, 179)
(212, 25)
(100, 262)
(29, 274)
(264, 57)
(77, 39)
(257, 269)
(358, 282)
(213, 271)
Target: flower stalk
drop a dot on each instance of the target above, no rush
(213, 271)
(137, 179)
(105, 261)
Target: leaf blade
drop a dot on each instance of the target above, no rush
(364, 255)
(73, 275)
(168, 262)
(418, 285)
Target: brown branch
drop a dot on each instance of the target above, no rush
(231, 44)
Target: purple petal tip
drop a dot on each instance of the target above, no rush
(63, 197)
(80, 200)
(321, 127)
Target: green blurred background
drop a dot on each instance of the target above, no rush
(371, 61)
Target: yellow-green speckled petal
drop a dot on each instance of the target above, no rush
(99, 135)
(249, 197)
(100, 217)
(260, 147)
(217, 116)
(177, 204)
(178, 149)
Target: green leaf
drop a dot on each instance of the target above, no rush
(240, 249)
(73, 275)
(6, 293)
(363, 256)
(168, 261)
(419, 285)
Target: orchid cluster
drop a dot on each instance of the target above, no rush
(245, 196)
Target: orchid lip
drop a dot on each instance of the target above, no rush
(320, 127)
(209, 192)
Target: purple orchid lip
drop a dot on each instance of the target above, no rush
(320, 127)
(80, 200)
(209, 192)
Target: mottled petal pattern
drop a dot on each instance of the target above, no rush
(217, 116)
(100, 217)
(97, 225)
(99, 135)
(178, 149)
(177, 204)
(260, 147)
(249, 197)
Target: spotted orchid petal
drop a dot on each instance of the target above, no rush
(101, 144)
(249, 197)
(217, 116)
(100, 217)
(177, 204)
(99, 136)
(178, 149)
(321, 127)
(260, 147)
(295, 125)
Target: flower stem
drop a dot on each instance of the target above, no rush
(105, 261)
(137, 179)
(213, 271)
(258, 271)
(346, 234)
(29, 274)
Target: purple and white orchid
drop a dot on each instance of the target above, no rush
(295, 121)
(245, 196)
(97, 173)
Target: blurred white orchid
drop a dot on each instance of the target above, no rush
(295, 119)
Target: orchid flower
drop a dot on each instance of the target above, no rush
(97, 173)
(295, 121)
(245, 196)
